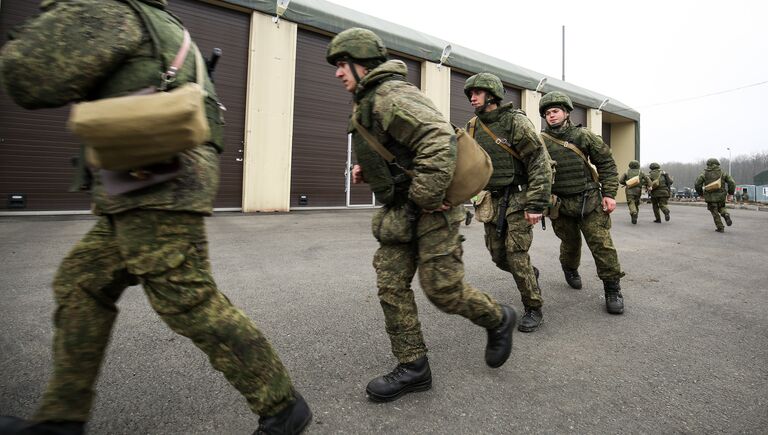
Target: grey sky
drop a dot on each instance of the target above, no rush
(649, 55)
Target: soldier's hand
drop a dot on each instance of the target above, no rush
(609, 205)
(533, 218)
(357, 175)
(442, 208)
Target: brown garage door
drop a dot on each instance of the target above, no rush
(321, 111)
(36, 149)
(206, 23)
(461, 110)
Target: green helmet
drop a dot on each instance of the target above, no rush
(654, 165)
(554, 98)
(357, 44)
(487, 82)
(713, 162)
(634, 164)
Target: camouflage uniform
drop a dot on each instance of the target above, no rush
(397, 113)
(633, 193)
(716, 199)
(154, 236)
(528, 180)
(581, 198)
(661, 193)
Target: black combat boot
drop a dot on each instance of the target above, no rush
(666, 216)
(17, 426)
(572, 277)
(614, 301)
(531, 320)
(728, 220)
(290, 421)
(720, 230)
(657, 220)
(634, 219)
(499, 345)
(405, 378)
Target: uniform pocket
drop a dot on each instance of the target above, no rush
(392, 225)
(484, 207)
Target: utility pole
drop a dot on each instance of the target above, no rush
(729, 161)
(563, 52)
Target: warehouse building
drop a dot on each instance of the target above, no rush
(286, 141)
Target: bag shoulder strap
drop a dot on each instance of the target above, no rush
(576, 150)
(503, 143)
(375, 144)
(472, 126)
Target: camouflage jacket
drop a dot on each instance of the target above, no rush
(409, 124)
(73, 51)
(712, 173)
(665, 183)
(535, 166)
(596, 150)
(635, 191)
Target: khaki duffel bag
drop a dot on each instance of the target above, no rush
(152, 126)
(715, 185)
(634, 181)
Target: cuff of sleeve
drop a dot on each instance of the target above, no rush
(609, 195)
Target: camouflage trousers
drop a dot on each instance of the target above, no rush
(596, 228)
(510, 254)
(717, 209)
(167, 253)
(659, 204)
(436, 254)
(633, 202)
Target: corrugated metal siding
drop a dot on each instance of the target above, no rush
(35, 147)
(205, 22)
(607, 133)
(579, 116)
(321, 111)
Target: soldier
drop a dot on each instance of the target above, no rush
(737, 196)
(716, 186)
(155, 236)
(634, 180)
(519, 188)
(745, 195)
(416, 228)
(660, 191)
(585, 184)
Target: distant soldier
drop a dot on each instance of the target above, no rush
(738, 196)
(660, 191)
(416, 229)
(745, 195)
(716, 186)
(518, 190)
(586, 183)
(634, 180)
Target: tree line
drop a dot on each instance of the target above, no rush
(743, 169)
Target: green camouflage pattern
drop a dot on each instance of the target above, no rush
(567, 182)
(554, 98)
(663, 189)
(355, 43)
(436, 255)
(487, 82)
(634, 193)
(167, 253)
(89, 49)
(717, 209)
(510, 254)
(398, 114)
(710, 174)
(534, 169)
(660, 206)
(595, 225)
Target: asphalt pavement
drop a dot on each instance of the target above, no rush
(689, 355)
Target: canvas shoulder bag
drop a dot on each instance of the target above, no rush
(148, 127)
(473, 164)
(634, 181)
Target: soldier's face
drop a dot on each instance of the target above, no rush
(555, 116)
(344, 73)
(477, 97)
